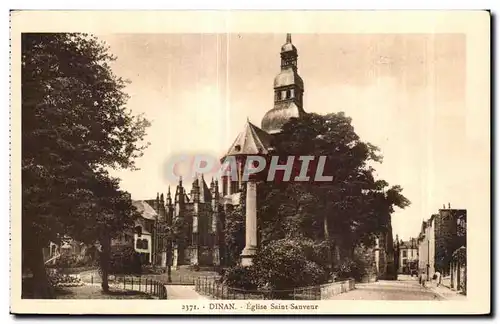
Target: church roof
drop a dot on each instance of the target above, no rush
(252, 140)
(274, 119)
(145, 209)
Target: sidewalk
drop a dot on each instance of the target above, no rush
(183, 292)
(445, 292)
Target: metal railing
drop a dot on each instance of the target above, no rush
(217, 290)
(146, 285)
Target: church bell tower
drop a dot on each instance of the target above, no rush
(288, 91)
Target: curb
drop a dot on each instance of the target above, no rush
(435, 291)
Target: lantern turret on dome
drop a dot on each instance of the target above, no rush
(288, 91)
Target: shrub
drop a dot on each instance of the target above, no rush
(149, 269)
(66, 261)
(347, 268)
(285, 264)
(239, 277)
(58, 279)
(124, 260)
(358, 267)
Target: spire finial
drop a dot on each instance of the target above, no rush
(289, 38)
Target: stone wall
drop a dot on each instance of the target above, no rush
(335, 288)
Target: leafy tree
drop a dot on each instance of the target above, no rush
(348, 211)
(74, 128)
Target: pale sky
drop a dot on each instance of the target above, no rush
(404, 92)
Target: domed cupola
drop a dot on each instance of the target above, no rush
(288, 91)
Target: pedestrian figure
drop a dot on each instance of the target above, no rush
(424, 279)
(438, 278)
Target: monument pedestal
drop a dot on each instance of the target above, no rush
(247, 256)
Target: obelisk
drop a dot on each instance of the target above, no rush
(250, 225)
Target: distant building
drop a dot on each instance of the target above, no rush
(408, 252)
(141, 237)
(440, 236)
(426, 247)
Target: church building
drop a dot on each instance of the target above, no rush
(200, 211)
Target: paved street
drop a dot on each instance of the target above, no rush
(405, 288)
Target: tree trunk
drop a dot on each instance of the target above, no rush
(105, 260)
(33, 255)
(329, 242)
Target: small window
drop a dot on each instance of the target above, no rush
(404, 253)
(141, 244)
(138, 231)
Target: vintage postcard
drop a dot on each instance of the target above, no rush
(250, 162)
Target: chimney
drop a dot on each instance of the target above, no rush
(449, 206)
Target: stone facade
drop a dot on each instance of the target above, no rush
(439, 237)
(199, 213)
(446, 238)
(426, 247)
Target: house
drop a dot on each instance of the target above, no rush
(408, 253)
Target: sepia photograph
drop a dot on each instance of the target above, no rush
(250, 169)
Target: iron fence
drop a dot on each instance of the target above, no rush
(217, 290)
(186, 279)
(146, 285)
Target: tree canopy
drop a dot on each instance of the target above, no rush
(354, 206)
(344, 213)
(75, 127)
